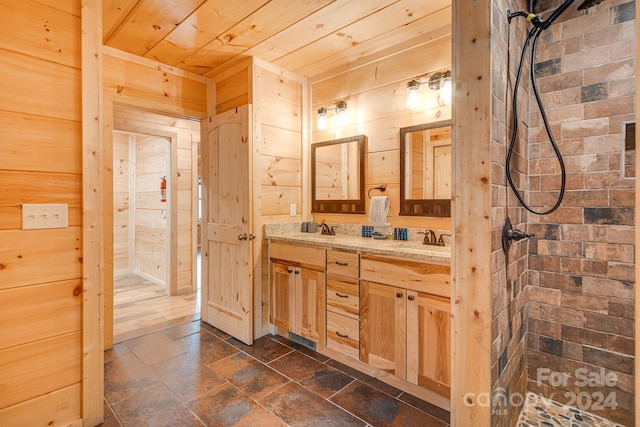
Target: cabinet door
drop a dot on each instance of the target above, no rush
(310, 311)
(383, 320)
(282, 295)
(429, 341)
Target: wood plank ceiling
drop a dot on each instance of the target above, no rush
(309, 37)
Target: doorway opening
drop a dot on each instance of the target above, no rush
(155, 217)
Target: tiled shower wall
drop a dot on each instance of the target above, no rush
(509, 293)
(581, 262)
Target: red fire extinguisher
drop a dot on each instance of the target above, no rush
(163, 189)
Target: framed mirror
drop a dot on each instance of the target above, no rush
(425, 170)
(337, 176)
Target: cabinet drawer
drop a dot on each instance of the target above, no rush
(343, 296)
(298, 255)
(418, 276)
(343, 334)
(343, 263)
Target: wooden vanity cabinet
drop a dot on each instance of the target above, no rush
(405, 320)
(298, 295)
(389, 312)
(343, 302)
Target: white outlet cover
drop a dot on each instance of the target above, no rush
(43, 216)
(292, 209)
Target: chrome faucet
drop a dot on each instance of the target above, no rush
(326, 230)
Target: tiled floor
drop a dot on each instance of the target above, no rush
(195, 375)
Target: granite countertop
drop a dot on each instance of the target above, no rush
(399, 248)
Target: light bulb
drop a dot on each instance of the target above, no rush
(445, 91)
(322, 119)
(412, 94)
(341, 110)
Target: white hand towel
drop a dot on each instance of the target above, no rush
(378, 210)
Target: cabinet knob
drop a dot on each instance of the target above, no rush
(252, 236)
(411, 297)
(297, 271)
(339, 295)
(344, 264)
(341, 335)
(289, 270)
(399, 294)
(242, 236)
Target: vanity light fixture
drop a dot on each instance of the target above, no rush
(341, 115)
(440, 81)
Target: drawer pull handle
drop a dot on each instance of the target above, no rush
(399, 295)
(341, 335)
(411, 297)
(339, 295)
(344, 264)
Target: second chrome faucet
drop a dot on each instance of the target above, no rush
(430, 238)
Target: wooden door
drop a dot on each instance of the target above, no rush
(282, 295)
(383, 321)
(429, 341)
(310, 311)
(227, 286)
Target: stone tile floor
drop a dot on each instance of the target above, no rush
(541, 412)
(196, 375)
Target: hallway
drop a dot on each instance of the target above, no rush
(195, 375)
(142, 307)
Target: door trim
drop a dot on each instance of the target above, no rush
(92, 218)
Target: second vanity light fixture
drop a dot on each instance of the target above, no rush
(341, 115)
(440, 81)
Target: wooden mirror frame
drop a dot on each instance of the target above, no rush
(420, 207)
(344, 206)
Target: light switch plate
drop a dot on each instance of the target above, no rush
(292, 209)
(42, 216)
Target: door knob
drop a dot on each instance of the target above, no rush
(252, 236)
(242, 236)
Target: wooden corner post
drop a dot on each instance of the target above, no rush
(471, 260)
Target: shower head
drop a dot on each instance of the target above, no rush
(586, 4)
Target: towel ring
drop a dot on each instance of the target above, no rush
(382, 188)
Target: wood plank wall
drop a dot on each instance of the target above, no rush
(41, 162)
(376, 107)
(278, 98)
(151, 215)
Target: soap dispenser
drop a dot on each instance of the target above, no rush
(312, 226)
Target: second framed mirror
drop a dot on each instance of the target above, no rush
(425, 170)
